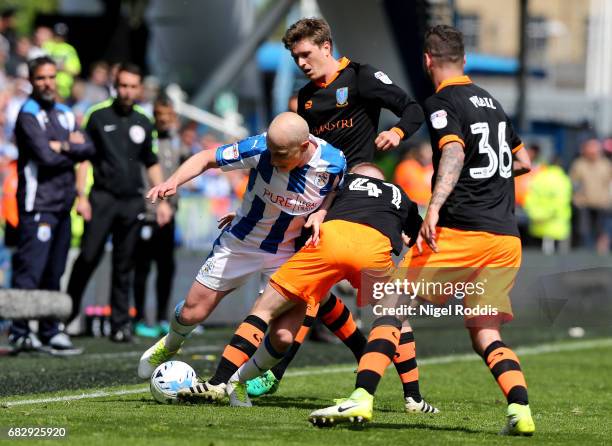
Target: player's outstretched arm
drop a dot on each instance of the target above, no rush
(191, 168)
(449, 170)
(521, 163)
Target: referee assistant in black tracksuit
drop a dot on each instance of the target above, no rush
(124, 141)
(49, 146)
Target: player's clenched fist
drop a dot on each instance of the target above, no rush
(387, 140)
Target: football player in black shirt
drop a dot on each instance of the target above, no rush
(342, 104)
(343, 100)
(352, 239)
(470, 220)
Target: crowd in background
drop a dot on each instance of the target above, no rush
(81, 90)
(557, 206)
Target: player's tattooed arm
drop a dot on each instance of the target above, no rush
(449, 170)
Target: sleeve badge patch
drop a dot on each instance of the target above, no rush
(231, 153)
(382, 77)
(438, 119)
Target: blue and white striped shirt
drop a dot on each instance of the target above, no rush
(276, 204)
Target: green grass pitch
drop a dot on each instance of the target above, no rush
(569, 383)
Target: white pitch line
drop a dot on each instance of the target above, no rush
(462, 357)
(60, 399)
(521, 351)
(133, 354)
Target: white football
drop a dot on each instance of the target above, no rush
(169, 378)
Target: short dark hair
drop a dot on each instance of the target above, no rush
(316, 29)
(38, 62)
(445, 43)
(129, 67)
(163, 100)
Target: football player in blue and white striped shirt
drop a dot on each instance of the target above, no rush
(292, 174)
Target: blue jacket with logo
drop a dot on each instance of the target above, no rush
(46, 178)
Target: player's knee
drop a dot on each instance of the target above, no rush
(281, 339)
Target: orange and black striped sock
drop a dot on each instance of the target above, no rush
(378, 353)
(279, 369)
(338, 318)
(242, 346)
(406, 365)
(506, 370)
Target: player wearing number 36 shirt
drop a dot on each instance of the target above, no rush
(483, 198)
(470, 224)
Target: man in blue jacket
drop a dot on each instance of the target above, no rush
(49, 146)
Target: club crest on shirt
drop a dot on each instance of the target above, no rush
(137, 134)
(308, 104)
(231, 153)
(342, 97)
(383, 77)
(321, 179)
(44, 232)
(438, 119)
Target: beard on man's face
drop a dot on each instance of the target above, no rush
(46, 94)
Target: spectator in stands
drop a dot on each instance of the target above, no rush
(18, 59)
(548, 205)
(156, 243)
(591, 175)
(8, 179)
(522, 184)
(66, 58)
(150, 91)
(123, 136)
(7, 27)
(4, 57)
(20, 92)
(49, 146)
(42, 34)
(96, 87)
(414, 174)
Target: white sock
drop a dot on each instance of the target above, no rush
(178, 332)
(264, 359)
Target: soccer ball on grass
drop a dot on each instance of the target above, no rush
(169, 378)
